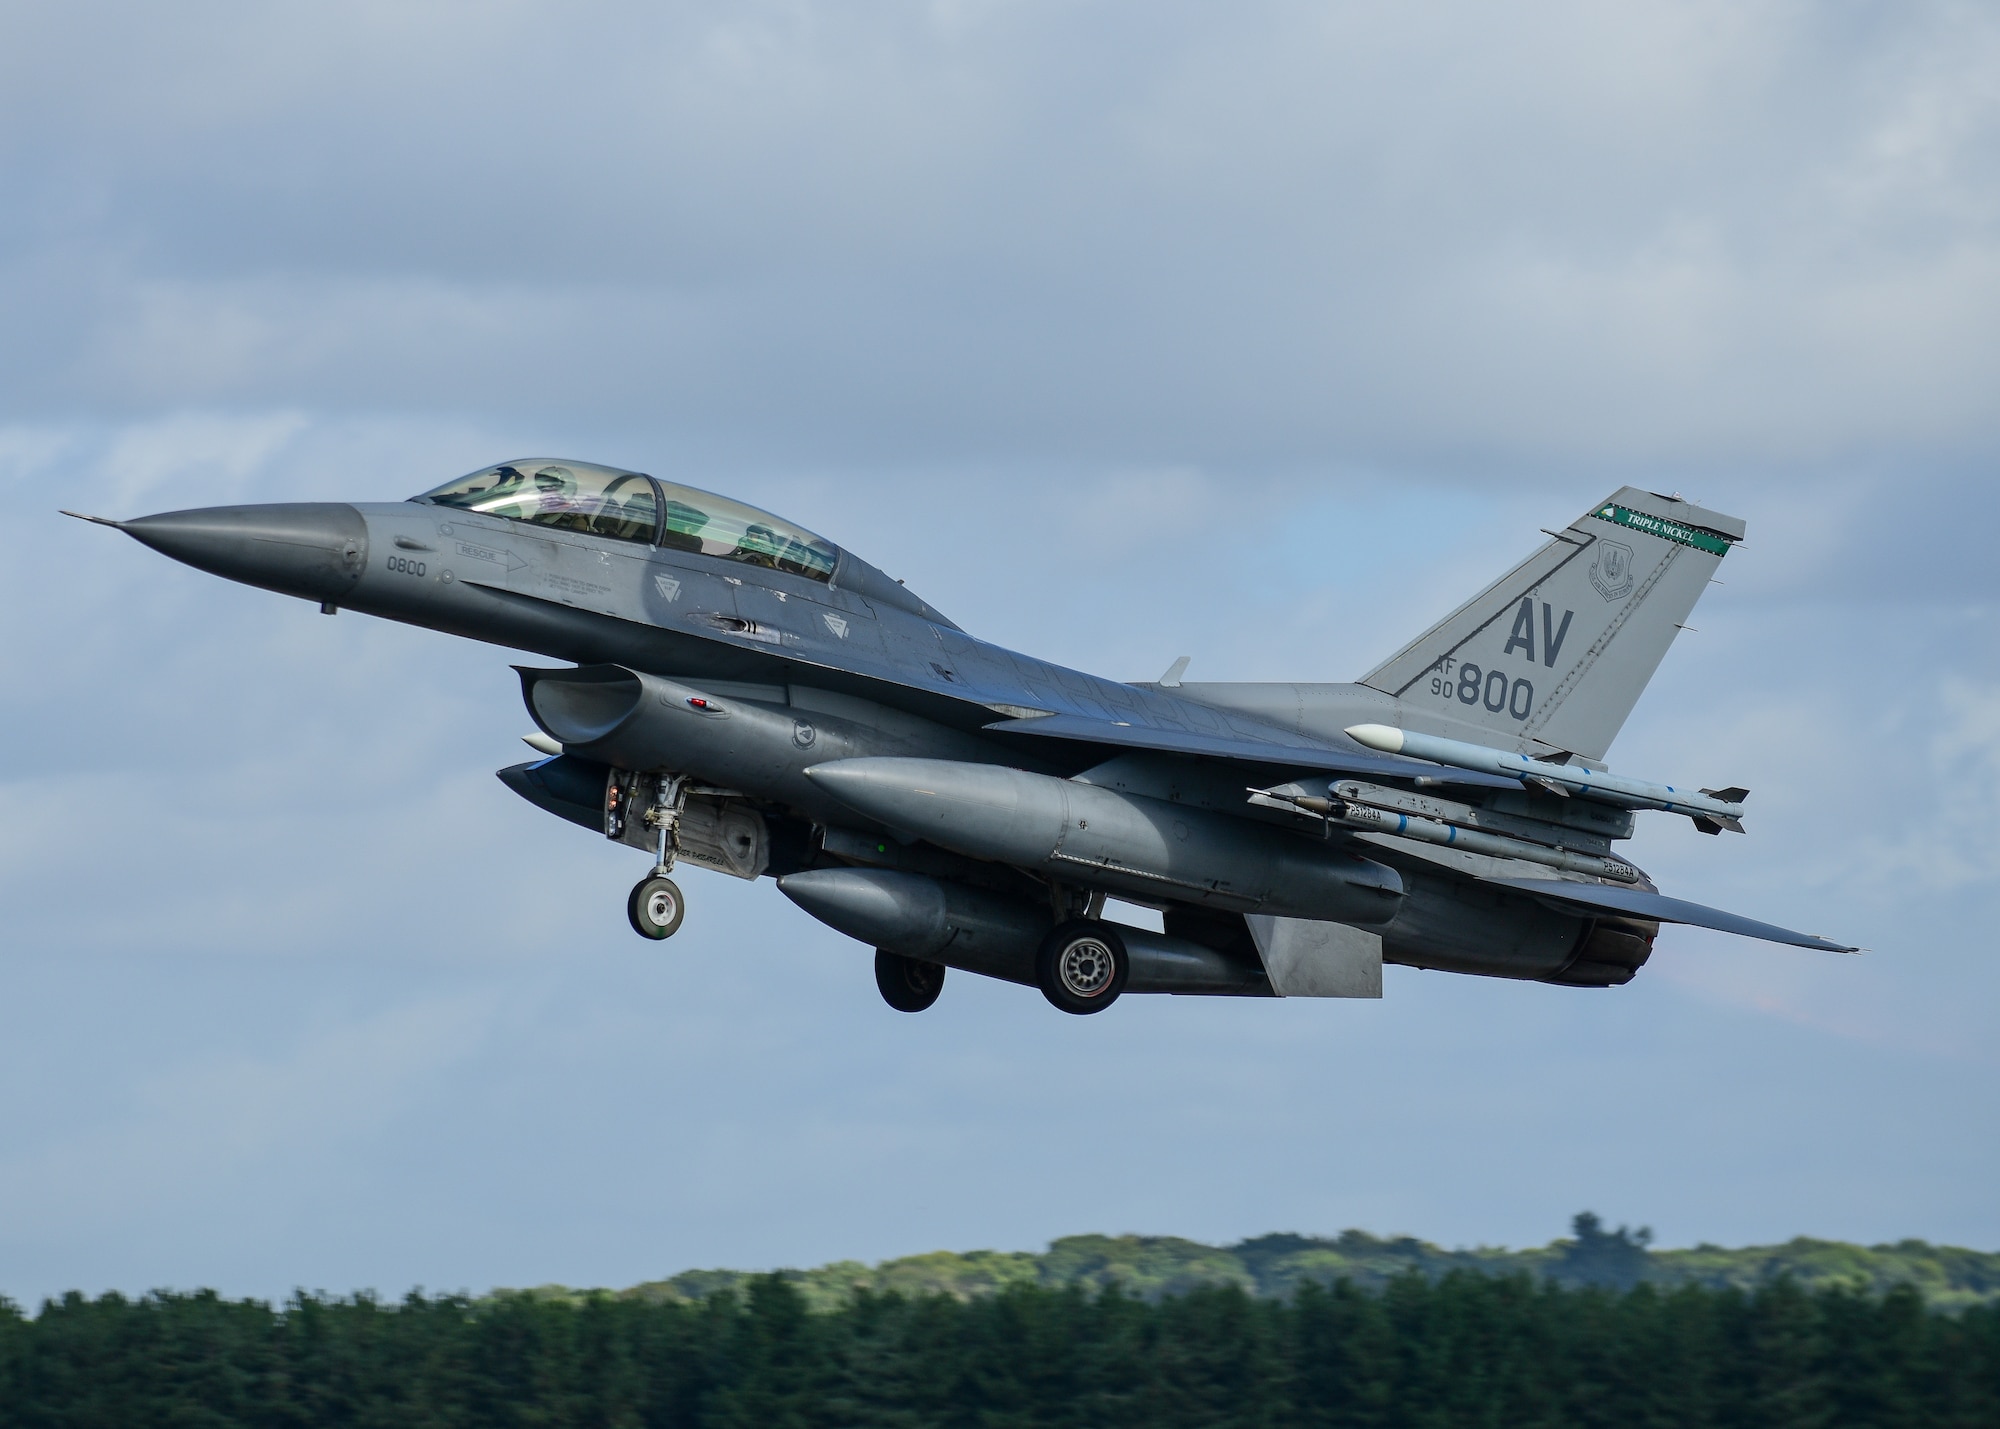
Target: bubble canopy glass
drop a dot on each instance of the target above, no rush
(630, 506)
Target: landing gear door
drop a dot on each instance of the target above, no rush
(716, 833)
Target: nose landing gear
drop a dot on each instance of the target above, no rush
(655, 906)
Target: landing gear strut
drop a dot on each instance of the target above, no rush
(656, 907)
(907, 984)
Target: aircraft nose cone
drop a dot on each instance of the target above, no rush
(315, 550)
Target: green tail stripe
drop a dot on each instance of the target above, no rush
(1666, 530)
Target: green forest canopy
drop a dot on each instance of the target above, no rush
(1274, 1266)
(1597, 1329)
(1465, 1349)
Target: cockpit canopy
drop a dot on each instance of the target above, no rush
(630, 506)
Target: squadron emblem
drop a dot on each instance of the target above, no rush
(1611, 572)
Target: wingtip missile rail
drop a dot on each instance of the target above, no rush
(1712, 810)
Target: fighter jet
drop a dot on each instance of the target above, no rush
(744, 696)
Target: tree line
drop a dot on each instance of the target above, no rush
(1465, 1349)
(1948, 1277)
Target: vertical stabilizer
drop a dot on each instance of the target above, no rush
(1553, 655)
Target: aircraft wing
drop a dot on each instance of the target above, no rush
(1638, 903)
(1290, 754)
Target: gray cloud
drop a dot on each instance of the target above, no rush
(1276, 234)
(1261, 334)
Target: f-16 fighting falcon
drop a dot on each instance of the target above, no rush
(750, 698)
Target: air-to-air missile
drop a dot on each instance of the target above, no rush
(1712, 810)
(1369, 809)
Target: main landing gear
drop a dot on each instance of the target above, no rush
(907, 984)
(655, 906)
(1082, 966)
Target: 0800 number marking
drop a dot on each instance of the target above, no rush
(1492, 689)
(1496, 690)
(403, 566)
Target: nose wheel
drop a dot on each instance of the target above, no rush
(655, 907)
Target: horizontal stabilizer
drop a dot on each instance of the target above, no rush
(1638, 903)
(1260, 751)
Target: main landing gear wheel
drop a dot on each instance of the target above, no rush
(655, 907)
(908, 984)
(1082, 966)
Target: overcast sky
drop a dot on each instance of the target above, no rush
(1262, 333)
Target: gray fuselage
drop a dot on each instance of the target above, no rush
(882, 674)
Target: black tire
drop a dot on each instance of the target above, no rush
(656, 908)
(907, 984)
(1082, 966)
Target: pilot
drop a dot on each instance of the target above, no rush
(803, 560)
(627, 519)
(556, 500)
(759, 547)
(683, 527)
